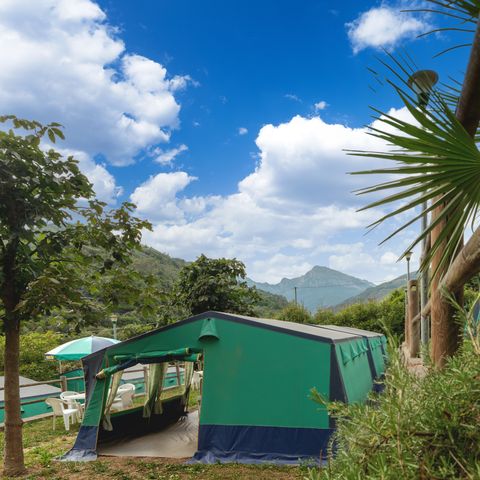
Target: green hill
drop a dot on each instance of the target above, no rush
(151, 261)
(377, 292)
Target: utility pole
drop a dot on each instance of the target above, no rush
(295, 290)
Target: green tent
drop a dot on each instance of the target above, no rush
(258, 374)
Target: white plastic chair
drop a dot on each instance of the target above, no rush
(72, 403)
(124, 400)
(197, 379)
(126, 387)
(61, 410)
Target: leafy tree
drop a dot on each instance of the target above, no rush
(215, 284)
(48, 218)
(295, 312)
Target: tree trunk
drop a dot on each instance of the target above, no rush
(13, 454)
(13, 463)
(445, 331)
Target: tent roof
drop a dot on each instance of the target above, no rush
(290, 327)
(297, 329)
(34, 391)
(354, 331)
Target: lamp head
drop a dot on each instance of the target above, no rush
(423, 81)
(113, 318)
(408, 256)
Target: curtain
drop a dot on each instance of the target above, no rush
(188, 375)
(115, 383)
(156, 376)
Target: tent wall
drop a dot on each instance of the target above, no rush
(256, 395)
(353, 360)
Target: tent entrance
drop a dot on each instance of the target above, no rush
(178, 440)
(165, 428)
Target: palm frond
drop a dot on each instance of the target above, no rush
(435, 160)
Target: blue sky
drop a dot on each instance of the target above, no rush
(225, 122)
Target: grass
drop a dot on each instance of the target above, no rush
(42, 445)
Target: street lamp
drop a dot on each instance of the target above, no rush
(114, 320)
(408, 256)
(422, 83)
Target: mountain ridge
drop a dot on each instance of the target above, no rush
(320, 287)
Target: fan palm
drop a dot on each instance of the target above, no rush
(435, 157)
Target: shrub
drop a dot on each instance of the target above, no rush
(386, 315)
(294, 312)
(33, 347)
(419, 428)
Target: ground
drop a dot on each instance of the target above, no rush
(43, 445)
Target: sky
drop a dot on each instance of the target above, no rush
(226, 122)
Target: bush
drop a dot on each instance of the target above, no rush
(385, 316)
(417, 429)
(295, 313)
(33, 347)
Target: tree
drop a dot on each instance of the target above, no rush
(437, 160)
(294, 312)
(385, 316)
(48, 218)
(215, 284)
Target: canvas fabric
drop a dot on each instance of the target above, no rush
(156, 375)
(114, 384)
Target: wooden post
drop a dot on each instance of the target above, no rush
(63, 383)
(413, 309)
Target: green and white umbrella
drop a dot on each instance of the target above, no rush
(76, 349)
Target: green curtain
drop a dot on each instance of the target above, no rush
(156, 376)
(115, 383)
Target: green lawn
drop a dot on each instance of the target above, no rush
(43, 445)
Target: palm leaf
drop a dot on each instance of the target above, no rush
(435, 160)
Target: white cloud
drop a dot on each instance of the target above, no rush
(242, 131)
(321, 105)
(389, 258)
(292, 212)
(157, 197)
(62, 61)
(280, 266)
(103, 181)
(166, 157)
(383, 26)
(292, 96)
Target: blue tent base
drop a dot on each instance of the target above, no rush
(255, 445)
(253, 459)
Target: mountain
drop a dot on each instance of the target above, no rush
(377, 292)
(320, 287)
